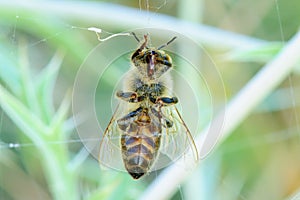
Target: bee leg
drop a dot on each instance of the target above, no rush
(131, 97)
(167, 123)
(125, 121)
(166, 101)
(144, 45)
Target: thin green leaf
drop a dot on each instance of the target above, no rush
(54, 158)
(23, 117)
(61, 114)
(8, 72)
(29, 92)
(45, 84)
(262, 53)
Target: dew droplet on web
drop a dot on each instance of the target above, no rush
(13, 145)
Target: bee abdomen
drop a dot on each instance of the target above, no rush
(137, 166)
(139, 153)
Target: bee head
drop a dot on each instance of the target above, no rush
(151, 62)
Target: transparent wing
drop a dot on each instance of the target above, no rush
(110, 154)
(176, 140)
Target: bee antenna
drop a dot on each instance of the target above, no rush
(166, 44)
(134, 35)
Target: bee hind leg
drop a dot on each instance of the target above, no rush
(166, 101)
(167, 123)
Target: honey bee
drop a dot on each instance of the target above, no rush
(148, 124)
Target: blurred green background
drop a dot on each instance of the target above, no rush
(42, 46)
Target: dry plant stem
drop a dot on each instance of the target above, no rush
(269, 77)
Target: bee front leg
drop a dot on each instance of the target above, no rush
(143, 45)
(166, 101)
(131, 97)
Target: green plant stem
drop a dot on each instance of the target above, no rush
(195, 14)
(112, 15)
(262, 84)
(61, 181)
(53, 157)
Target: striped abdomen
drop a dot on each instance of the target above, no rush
(140, 144)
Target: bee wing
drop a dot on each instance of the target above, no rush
(110, 146)
(177, 140)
